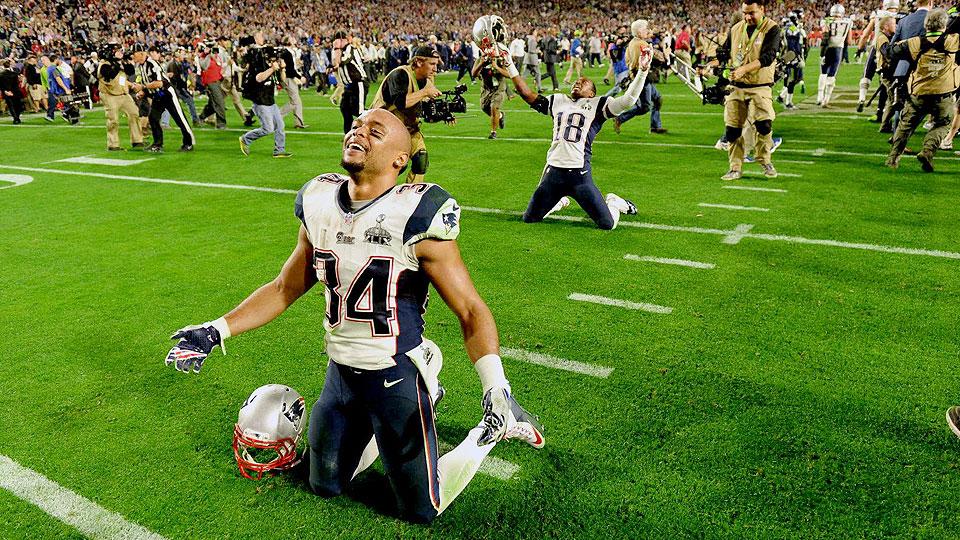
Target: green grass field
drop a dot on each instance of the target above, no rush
(797, 389)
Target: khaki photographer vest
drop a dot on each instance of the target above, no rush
(882, 40)
(407, 116)
(113, 87)
(746, 48)
(936, 72)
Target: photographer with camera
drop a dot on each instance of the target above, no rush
(262, 66)
(493, 91)
(751, 48)
(156, 84)
(403, 92)
(114, 75)
(211, 76)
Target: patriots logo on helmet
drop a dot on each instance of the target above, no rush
(489, 30)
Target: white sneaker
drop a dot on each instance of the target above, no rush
(928, 125)
(777, 141)
(524, 426)
(722, 145)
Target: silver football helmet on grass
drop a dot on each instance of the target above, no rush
(268, 429)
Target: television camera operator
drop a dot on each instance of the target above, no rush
(403, 92)
(263, 66)
(115, 76)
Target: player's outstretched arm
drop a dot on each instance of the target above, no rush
(442, 262)
(623, 103)
(265, 304)
(510, 71)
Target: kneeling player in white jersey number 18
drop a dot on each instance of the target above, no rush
(377, 247)
(577, 119)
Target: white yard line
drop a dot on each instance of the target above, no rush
(90, 160)
(753, 188)
(734, 207)
(637, 306)
(83, 514)
(807, 152)
(15, 180)
(500, 469)
(556, 363)
(783, 174)
(675, 262)
(734, 236)
(796, 162)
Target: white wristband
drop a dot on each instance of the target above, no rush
(490, 370)
(512, 70)
(223, 328)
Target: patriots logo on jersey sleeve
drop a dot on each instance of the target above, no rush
(450, 220)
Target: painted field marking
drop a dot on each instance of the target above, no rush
(90, 160)
(674, 262)
(739, 233)
(796, 162)
(734, 207)
(556, 363)
(753, 188)
(81, 513)
(604, 301)
(760, 173)
(500, 469)
(815, 153)
(729, 236)
(15, 179)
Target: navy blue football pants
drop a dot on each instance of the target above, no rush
(557, 183)
(392, 405)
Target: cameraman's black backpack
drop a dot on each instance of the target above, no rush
(249, 83)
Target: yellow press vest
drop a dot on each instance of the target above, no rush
(746, 48)
(407, 116)
(882, 40)
(936, 72)
(118, 86)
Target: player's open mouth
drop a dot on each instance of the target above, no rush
(356, 146)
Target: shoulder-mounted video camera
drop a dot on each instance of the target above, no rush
(716, 94)
(441, 109)
(208, 47)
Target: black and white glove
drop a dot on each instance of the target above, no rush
(195, 344)
(496, 399)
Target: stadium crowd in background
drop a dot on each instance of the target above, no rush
(53, 48)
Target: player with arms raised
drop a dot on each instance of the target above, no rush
(577, 119)
(377, 247)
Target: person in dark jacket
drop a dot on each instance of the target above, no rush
(10, 89)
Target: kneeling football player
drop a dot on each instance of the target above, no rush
(577, 119)
(377, 247)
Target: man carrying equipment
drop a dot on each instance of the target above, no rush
(751, 46)
(835, 41)
(577, 119)
(114, 79)
(871, 34)
(376, 247)
(888, 25)
(931, 87)
(156, 84)
(402, 93)
(493, 91)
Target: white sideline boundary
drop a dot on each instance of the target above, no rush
(753, 188)
(81, 513)
(674, 262)
(90, 160)
(733, 207)
(545, 360)
(615, 302)
(819, 152)
(729, 236)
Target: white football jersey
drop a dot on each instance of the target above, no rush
(575, 125)
(376, 293)
(838, 31)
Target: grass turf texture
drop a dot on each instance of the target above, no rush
(796, 390)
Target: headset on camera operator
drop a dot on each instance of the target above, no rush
(403, 93)
(156, 85)
(114, 75)
(263, 66)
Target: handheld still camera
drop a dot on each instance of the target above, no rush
(442, 108)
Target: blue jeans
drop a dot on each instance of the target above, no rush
(271, 121)
(650, 100)
(616, 83)
(52, 104)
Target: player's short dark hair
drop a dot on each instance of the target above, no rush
(761, 3)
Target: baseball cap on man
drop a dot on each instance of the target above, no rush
(426, 52)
